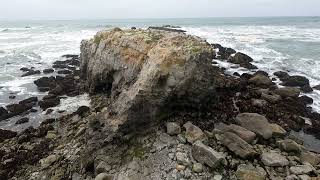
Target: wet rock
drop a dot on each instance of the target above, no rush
(68, 56)
(168, 29)
(289, 145)
(64, 72)
(306, 89)
(6, 134)
(249, 172)
(295, 81)
(206, 155)
(223, 53)
(301, 169)
(306, 99)
(46, 103)
(3, 114)
(243, 60)
(59, 66)
(255, 123)
(237, 145)
(281, 75)
(193, 133)
(317, 87)
(288, 92)
(277, 130)
(48, 71)
(22, 121)
(261, 73)
(31, 100)
(46, 82)
(49, 111)
(173, 128)
(261, 80)
(82, 110)
(31, 72)
(24, 69)
(19, 108)
(274, 159)
(243, 133)
(12, 97)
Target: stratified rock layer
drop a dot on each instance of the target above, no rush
(147, 74)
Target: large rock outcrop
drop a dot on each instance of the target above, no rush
(147, 74)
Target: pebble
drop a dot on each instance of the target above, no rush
(180, 167)
(197, 168)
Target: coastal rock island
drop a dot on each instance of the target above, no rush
(162, 109)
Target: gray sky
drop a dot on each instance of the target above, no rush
(110, 9)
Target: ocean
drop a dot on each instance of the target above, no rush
(275, 43)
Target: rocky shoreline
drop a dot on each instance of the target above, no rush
(161, 110)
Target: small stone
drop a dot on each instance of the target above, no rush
(289, 145)
(104, 176)
(180, 167)
(182, 139)
(301, 169)
(46, 162)
(249, 172)
(277, 130)
(51, 135)
(217, 177)
(173, 128)
(206, 155)
(80, 131)
(182, 158)
(273, 159)
(197, 168)
(193, 133)
(102, 168)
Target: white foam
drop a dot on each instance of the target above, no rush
(71, 104)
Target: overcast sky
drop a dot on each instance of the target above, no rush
(119, 9)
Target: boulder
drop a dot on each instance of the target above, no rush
(309, 157)
(237, 145)
(19, 108)
(260, 103)
(148, 74)
(288, 92)
(295, 81)
(249, 172)
(302, 169)
(193, 133)
(3, 113)
(270, 97)
(32, 100)
(82, 110)
(48, 82)
(261, 80)
(289, 145)
(31, 72)
(24, 69)
(48, 71)
(277, 130)
(243, 133)
(306, 99)
(255, 123)
(281, 75)
(206, 155)
(22, 121)
(317, 87)
(173, 128)
(46, 103)
(243, 60)
(274, 159)
(306, 89)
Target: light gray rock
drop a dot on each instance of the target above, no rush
(182, 158)
(237, 145)
(274, 159)
(261, 80)
(309, 157)
(288, 92)
(173, 128)
(255, 123)
(104, 176)
(289, 145)
(270, 97)
(46, 162)
(217, 177)
(197, 168)
(206, 155)
(304, 177)
(249, 172)
(277, 130)
(193, 133)
(301, 169)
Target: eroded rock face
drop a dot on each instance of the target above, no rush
(147, 73)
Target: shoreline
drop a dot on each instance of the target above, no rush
(247, 93)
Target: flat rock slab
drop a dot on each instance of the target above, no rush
(255, 123)
(237, 145)
(206, 155)
(249, 172)
(274, 159)
(193, 133)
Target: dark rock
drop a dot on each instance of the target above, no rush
(70, 56)
(43, 89)
(243, 60)
(288, 92)
(281, 74)
(64, 72)
(167, 29)
(48, 82)
(261, 80)
(306, 99)
(246, 76)
(133, 28)
(317, 87)
(224, 53)
(19, 108)
(6, 134)
(49, 111)
(31, 100)
(236, 74)
(262, 73)
(295, 81)
(3, 114)
(49, 102)
(31, 72)
(24, 69)
(82, 110)
(74, 62)
(12, 97)
(33, 110)
(48, 71)
(60, 66)
(48, 121)
(306, 89)
(22, 121)
(58, 90)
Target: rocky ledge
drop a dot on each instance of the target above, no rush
(161, 110)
